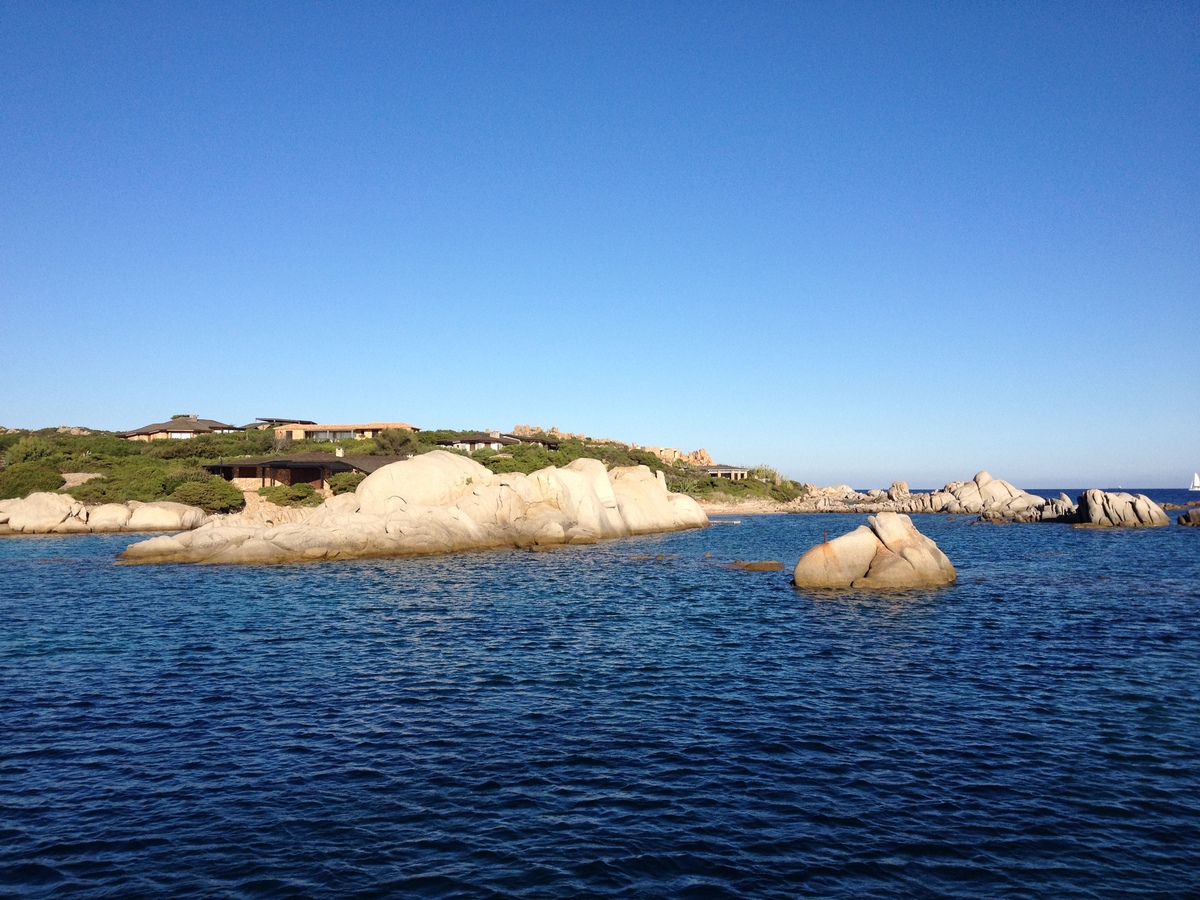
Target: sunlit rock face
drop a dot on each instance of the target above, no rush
(1118, 509)
(441, 502)
(889, 552)
(48, 513)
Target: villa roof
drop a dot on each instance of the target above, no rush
(481, 437)
(193, 424)
(356, 426)
(277, 420)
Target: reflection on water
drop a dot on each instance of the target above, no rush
(596, 720)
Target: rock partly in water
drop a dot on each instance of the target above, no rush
(1118, 509)
(890, 553)
(762, 565)
(441, 502)
(991, 498)
(1191, 517)
(47, 513)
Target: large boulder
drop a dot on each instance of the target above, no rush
(432, 479)
(164, 515)
(890, 553)
(442, 502)
(109, 517)
(1119, 509)
(1191, 517)
(41, 512)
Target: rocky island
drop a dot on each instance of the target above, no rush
(441, 502)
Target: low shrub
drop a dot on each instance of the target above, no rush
(25, 478)
(395, 442)
(291, 495)
(28, 449)
(191, 474)
(137, 478)
(345, 482)
(216, 495)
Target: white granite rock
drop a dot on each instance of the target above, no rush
(891, 553)
(442, 502)
(1120, 510)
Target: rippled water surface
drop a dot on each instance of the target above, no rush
(599, 721)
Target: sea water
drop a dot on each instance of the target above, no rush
(630, 719)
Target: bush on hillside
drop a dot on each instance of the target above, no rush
(216, 495)
(291, 495)
(24, 478)
(396, 442)
(191, 474)
(27, 450)
(137, 478)
(345, 482)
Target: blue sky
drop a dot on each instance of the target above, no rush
(859, 241)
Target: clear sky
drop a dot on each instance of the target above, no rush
(857, 241)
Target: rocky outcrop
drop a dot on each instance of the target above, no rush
(441, 502)
(1191, 517)
(1118, 509)
(991, 498)
(46, 513)
(887, 553)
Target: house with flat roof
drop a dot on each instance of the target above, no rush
(733, 473)
(178, 428)
(478, 440)
(252, 473)
(262, 423)
(312, 431)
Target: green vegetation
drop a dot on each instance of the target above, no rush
(24, 478)
(27, 450)
(291, 495)
(530, 457)
(395, 442)
(707, 488)
(157, 470)
(214, 495)
(345, 482)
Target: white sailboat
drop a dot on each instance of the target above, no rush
(1195, 482)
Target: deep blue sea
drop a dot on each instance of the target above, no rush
(629, 719)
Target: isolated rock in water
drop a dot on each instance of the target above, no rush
(762, 565)
(891, 553)
(1191, 517)
(441, 502)
(1119, 509)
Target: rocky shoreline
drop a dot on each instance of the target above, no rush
(992, 499)
(441, 503)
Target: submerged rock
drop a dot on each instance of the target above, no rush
(1119, 509)
(762, 565)
(441, 502)
(889, 553)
